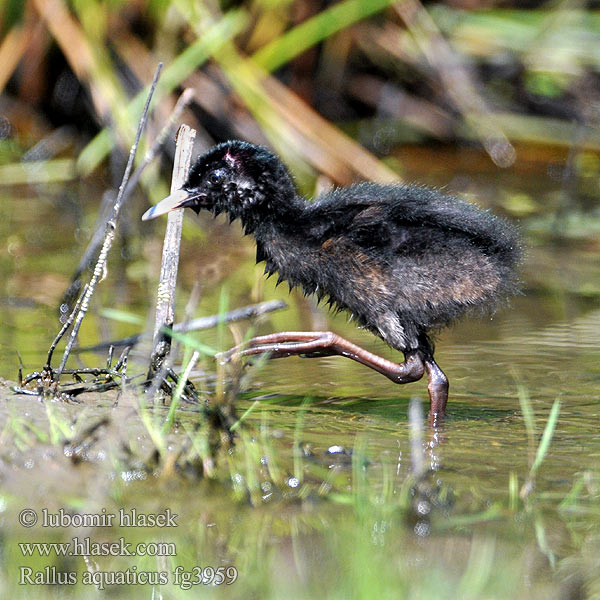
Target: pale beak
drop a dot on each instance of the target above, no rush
(177, 199)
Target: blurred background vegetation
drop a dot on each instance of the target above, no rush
(345, 91)
(498, 102)
(333, 87)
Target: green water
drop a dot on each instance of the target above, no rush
(318, 523)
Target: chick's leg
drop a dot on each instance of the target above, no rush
(313, 344)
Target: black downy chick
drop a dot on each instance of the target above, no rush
(404, 260)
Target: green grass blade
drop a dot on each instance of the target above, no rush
(57, 170)
(542, 540)
(121, 315)
(173, 75)
(527, 411)
(546, 436)
(298, 460)
(176, 399)
(189, 340)
(479, 568)
(513, 491)
(245, 415)
(570, 500)
(222, 324)
(315, 30)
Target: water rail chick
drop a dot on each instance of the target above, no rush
(404, 260)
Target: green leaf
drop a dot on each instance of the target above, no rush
(121, 315)
(173, 75)
(546, 436)
(188, 340)
(315, 30)
(43, 171)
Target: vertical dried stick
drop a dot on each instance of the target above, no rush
(165, 301)
(111, 225)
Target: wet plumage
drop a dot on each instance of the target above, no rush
(403, 260)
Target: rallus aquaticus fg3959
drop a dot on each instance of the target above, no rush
(404, 260)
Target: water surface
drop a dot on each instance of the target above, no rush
(343, 427)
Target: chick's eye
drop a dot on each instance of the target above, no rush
(215, 177)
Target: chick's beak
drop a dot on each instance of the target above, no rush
(178, 199)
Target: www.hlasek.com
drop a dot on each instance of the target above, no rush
(86, 547)
(179, 576)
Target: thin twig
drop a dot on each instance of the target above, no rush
(92, 249)
(109, 358)
(122, 362)
(66, 326)
(239, 314)
(184, 99)
(100, 267)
